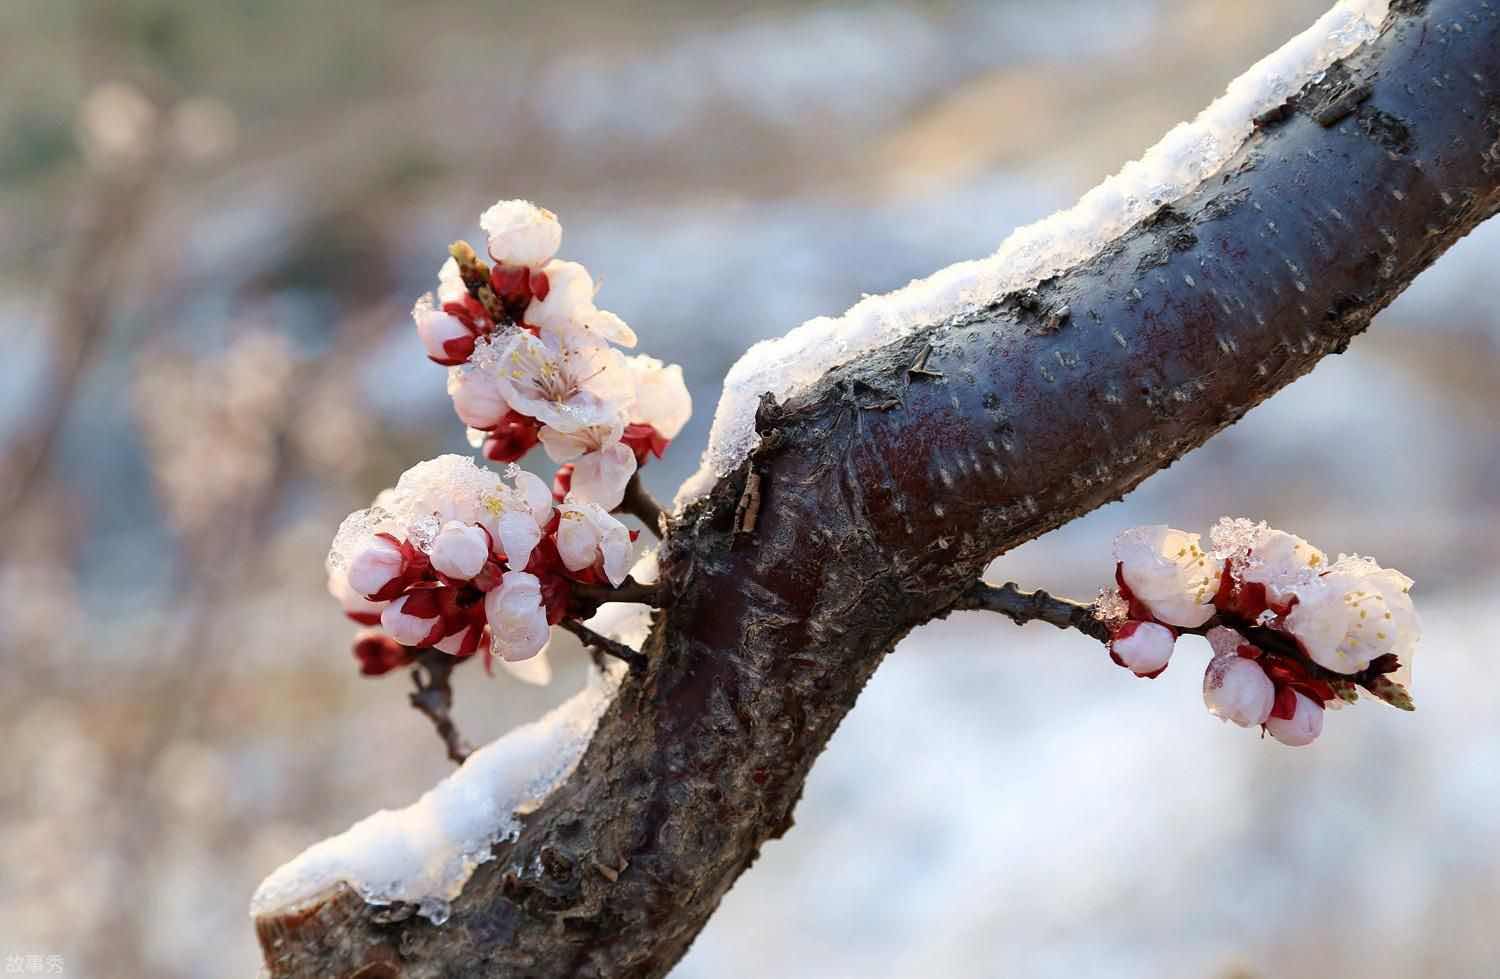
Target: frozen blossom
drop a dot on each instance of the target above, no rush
(1167, 571)
(1190, 153)
(1286, 626)
(1274, 559)
(1143, 648)
(1353, 613)
(1237, 689)
(453, 558)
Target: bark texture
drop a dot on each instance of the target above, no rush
(884, 490)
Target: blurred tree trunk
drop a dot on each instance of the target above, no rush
(885, 488)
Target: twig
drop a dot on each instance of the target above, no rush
(1037, 606)
(607, 646)
(639, 503)
(630, 590)
(434, 698)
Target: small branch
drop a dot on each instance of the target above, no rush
(605, 645)
(630, 590)
(434, 698)
(1037, 606)
(639, 503)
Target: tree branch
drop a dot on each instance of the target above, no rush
(1037, 606)
(434, 698)
(876, 514)
(606, 645)
(1065, 613)
(639, 503)
(630, 590)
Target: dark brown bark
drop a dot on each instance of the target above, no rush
(883, 490)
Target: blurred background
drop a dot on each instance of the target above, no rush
(214, 219)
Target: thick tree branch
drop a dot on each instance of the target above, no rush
(876, 513)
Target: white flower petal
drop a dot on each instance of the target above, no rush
(1304, 726)
(460, 550)
(1237, 689)
(601, 477)
(520, 233)
(661, 396)
(517, 618)
(519, 535)
(374, 566)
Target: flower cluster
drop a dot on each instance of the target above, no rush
(457, 559)
(1291, 632)
(532, 360)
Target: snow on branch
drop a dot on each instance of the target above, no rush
(1188, 155)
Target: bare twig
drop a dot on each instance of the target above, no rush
(605, 645)
(434, 698)
(639, 503)
(630, 590)
(1022, 607)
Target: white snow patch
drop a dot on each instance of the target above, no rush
(425, 853)
(1188, 154)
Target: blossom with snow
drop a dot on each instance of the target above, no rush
(1167, 572)
(457, 559)
(1237, 689)
(453, 557)
(1354, 613)
(1143, 648)
(1290, 631)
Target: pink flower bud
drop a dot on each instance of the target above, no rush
(460, 550)
(375, 567)
(517, 617)
(1303, 727)
(477, 399)
(1143, 648)
(408, 630)
(1237, 689)
(446, 338)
